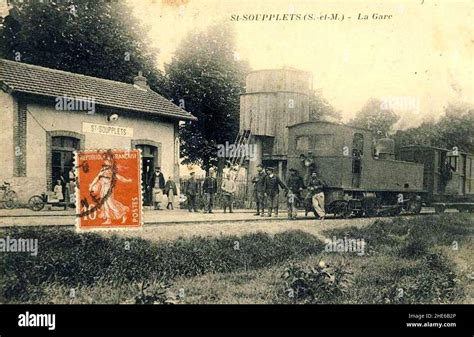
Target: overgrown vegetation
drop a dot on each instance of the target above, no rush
(405, 261)
(403, 264)
(73, 260)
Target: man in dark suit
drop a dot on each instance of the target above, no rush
(156, 182)
(295, 183)
(259, 190)
(209, 188)
(272, 190)
(192, 190)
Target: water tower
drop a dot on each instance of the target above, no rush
(274, 99)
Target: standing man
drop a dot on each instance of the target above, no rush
(259, 190)
(272, 191)
(446, 172)
(228, 190)
(209, 188)
(157, 184)
(72, 186)
(315, 187)
(295, 184)
(191, 192)
(171, 191)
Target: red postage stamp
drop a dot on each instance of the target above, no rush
(108, 190)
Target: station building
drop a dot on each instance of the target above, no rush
(48, 114)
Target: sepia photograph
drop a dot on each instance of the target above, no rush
(287, 157)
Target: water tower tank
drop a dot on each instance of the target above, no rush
(275, 99)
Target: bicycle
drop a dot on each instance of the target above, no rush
(8, 196)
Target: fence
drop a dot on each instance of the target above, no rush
(240, 197)
(243, 197)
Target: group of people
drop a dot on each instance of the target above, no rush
(209, 190)
(65, 187)
(267, 188)
(159, 187)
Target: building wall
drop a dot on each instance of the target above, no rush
(41, 118)
(8, 105)
(274, 100)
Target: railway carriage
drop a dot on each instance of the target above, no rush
(455, 192)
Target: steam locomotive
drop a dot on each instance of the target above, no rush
(365, 177)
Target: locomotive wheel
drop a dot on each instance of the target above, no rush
(11, 200)
(414, 206)
(358, 213)
(370, 212)
(370, 207)
(439, 209)
(36, 203)
(395, 211)
(342, 209)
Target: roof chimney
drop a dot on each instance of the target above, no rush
(140, 81)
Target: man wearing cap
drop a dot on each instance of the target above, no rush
(295, 183)
(259, 190)
(191, 192)
(157, 183)
(209, 188)
(315, 187)
(272, 190)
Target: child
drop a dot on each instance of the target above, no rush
(58, 191)
(291, 205)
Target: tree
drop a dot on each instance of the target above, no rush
(320, 108)
(98, 38)
(207, 79)
(375, 117)
(454, 129)
(425, 134)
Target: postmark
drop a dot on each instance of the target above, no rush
(109, 189)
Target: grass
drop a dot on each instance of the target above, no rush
(407, 260)
(70, 260)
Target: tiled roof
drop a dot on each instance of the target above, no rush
(31, 79)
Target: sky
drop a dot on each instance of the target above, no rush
(418, 60)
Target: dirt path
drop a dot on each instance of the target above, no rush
(173, 232)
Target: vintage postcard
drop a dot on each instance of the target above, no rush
(269, 152)
(108, 189)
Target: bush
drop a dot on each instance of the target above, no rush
(74, 260)
(316, 284)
